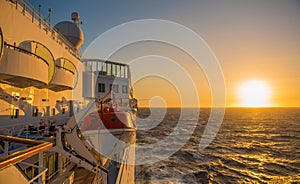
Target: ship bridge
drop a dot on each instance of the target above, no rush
(106, 77)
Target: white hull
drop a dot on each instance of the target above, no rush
(110, 142)
(117, 149)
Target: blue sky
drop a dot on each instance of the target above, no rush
(229, 18)
(208, 18)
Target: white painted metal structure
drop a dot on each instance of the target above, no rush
(37, 73)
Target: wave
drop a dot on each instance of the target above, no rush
(252, 146)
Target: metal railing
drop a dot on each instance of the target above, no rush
(32, 179)
(42, 23)
(13, 47)
(70, 67)
(16, 157)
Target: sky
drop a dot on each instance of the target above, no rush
(255, 40)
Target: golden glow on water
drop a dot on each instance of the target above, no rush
(254, 145)
(254, 94)
(260, 161)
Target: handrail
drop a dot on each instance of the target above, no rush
(1, 43)
(18, 156)
(62, 67)
(25, 51)
(35, 166)
(26, 7)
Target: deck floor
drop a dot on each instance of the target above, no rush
(83, 176)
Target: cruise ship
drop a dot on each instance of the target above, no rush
(46, 134)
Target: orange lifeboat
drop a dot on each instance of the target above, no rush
(108, 119)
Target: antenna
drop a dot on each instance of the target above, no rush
(49, 14)
(40, 9)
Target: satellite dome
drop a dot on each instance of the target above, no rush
(71, 30)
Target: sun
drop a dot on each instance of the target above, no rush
(254, 94)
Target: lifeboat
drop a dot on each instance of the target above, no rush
(108, 119)
(108, 127)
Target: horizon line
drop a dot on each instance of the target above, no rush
(226, 107)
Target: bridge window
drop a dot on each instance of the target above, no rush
(109, 69)
(125, 72)
(115, 70)
(124, 89)
(101, 87)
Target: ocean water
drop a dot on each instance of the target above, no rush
(259, 145)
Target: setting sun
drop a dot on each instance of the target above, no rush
(254, 94)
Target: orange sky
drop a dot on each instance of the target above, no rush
(261, 44)
(254, 40)
(238, 68)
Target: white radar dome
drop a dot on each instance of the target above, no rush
(71, 30)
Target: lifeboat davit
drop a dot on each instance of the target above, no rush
(109, 127)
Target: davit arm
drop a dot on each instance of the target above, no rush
(71, 144)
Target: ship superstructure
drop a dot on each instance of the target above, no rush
(110, 128)
(38, 65)
(38, 70)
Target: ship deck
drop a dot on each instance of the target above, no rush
(83, 176)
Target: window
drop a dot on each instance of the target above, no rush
(94, 66)
(35, 112)
(115, 70)
(124, 89)
(53, 111)
(89, 66)
(121, 71)
(63, 110)
(126, 72)
(101, 87)
(109, 70)
(14, 113)
(102, 68)
(118, 70)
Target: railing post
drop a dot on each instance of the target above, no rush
(6, 146)
(24, 9)
(42, 178)
(60, 165)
